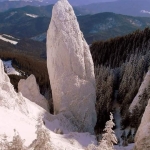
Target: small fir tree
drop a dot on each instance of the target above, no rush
(109, 138)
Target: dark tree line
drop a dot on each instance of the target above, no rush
(116, 51)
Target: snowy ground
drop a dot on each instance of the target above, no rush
(118, 131)
(26, 127)
(129, 147)
(9, 68)
(8, 40)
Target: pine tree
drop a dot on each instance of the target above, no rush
(17, 143)
(42, 141)
(109, 138)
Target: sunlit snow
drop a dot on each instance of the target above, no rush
(8, 40)
(32, 15)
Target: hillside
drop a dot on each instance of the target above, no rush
(32, 22)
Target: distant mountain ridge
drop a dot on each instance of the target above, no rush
(32, 22)
(125, 7)
(9, 4)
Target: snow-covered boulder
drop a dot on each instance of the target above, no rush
(143, 86)
(71, 68)
(30, 89)
(142, 138)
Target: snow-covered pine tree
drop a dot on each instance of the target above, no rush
(17, 143)
(42, 141)
(108, 138)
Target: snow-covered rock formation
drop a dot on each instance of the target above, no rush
(19, 113)
(71, 68)
(142, 138)
(8, 96)
(30, 89)
(143, 86)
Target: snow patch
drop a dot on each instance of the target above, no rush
(129, 147)
(9, 36)
(9, 69)
(135, 22)
(8, 40)
(32, 15)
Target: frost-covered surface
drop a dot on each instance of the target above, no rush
(9, 68)
(17, 112)
(142, 138)
(30, 89)
(8, 40)
(143, 86)
(71, 68)
(32, 15)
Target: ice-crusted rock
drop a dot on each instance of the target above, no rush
(143, 86)
(71, 68)
(30, 89)
(8, 97)
(142, 138)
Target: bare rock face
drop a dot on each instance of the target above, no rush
(71, 68)
(142, 138)
(30, 89)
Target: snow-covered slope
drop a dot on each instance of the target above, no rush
(17, 112)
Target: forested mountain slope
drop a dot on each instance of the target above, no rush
(32, 22)
(121, 65)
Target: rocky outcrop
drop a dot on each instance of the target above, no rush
(70, 68)
(143, 87)
(8, 97)
(142, 138)
(30, 89)
(17, 105)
